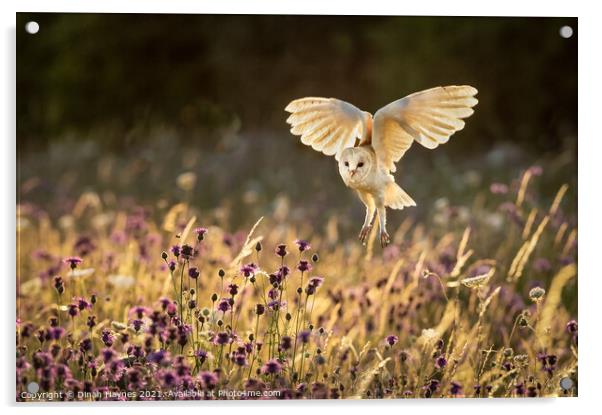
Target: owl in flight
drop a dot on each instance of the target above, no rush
(367, 147)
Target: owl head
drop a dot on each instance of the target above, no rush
(355, 163)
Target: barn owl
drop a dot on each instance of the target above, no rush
(367, 147)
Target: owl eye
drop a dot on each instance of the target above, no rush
(346, 164)
(360, 164)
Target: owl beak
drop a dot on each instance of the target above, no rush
(352, 172)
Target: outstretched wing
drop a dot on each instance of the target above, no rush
(430, 117)
(328, 125)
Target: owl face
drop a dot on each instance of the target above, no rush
(354, 164)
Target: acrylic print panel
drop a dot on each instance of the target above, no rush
(188, 219)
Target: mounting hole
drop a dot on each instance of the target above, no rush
(566, 31)
(32, 28)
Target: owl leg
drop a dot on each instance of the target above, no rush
(382, 221)
(370, 215)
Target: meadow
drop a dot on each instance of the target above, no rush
(154, 295)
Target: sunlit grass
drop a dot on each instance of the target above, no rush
(169, 305)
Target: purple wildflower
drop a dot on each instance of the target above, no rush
(193, 272)
(175, 250)
(208, 379)
(281, 250)
(391, 339)
(271, 367)
(455, 388)
(223, 305)
(249, 269)
(304, 336)
(303, 245)
(73, 261)
(200, 233)
(571, 327)
(440, 362)
(304, 266)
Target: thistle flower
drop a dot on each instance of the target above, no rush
(59, 285)
(248, 269)
(440, 362)
(193, 272)
(233, 289)
(271, 367)
(455, 388)
(187, 252)
(304, 336)
(281, 250)
(303, 245)
(223, 305)
(391, 339)
(83, 304)
(73, 310)
(304, 266)
(286, 342)
(313, 284)
(571, 327)
(222, 338)
(108, 354)
(107, 337)
(85, 345)
(73, 261)
(208, 379)
(175, 250)
(200, 233)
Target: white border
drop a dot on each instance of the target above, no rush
(590, 229)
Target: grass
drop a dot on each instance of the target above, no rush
(450, 309)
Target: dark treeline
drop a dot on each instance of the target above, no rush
(116, 72)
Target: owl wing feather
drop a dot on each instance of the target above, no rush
(430, 117)
(328, 125)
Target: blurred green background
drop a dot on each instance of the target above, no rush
(125, 103)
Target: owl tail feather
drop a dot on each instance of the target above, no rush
(396, 198)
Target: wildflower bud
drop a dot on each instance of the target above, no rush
(259, 309)
(258, 246)
(201, 319)
(252, 279)
(571, 326)
(536, 294)
(214, 297)
(220, 323)
(193, 272)
(251, 337)
(315, 258)
(299, 290)
(281, 250)
(221, 273)
(192, 304)
(508, 352)
(164, 255)
(93, 298)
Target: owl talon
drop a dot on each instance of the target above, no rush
(384, 239)
(364, 234)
